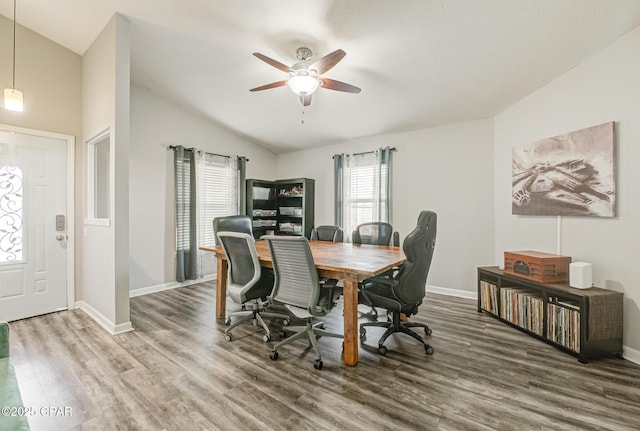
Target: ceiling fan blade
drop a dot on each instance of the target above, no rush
(272, 62)
(305, 100)
(269, 86)
(332, 84)
(328, 61)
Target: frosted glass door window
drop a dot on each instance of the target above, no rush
(11, 181)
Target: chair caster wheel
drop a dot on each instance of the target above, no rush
(317, 364)
(286, 322)
(228, 337)
(428, 349)
(274, 355)
(266, 338)
(363, 331)
(382, 350)
(283, 334)
(227, 320)
(428, 331)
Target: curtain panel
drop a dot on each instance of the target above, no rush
(186, 214)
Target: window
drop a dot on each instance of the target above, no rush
(207, 186)
(217, 194)
(363, 188)
(11, 180)
(98, 179)
(364, 195)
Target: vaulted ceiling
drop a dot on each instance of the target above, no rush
(420, 63)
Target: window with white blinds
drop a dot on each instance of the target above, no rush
(364, 193)
(216, 195)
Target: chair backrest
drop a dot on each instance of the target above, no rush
(375, 233)
(296, 277)
(418, 248)
(327, 233)
(244, 265)
(234, 223)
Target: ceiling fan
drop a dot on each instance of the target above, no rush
(304, 76)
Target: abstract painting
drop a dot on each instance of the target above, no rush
(567, 175)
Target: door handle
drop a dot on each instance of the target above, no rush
(60, 237)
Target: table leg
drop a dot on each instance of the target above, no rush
(350, 294)
(221, 289)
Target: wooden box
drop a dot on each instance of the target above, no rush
(537, 266)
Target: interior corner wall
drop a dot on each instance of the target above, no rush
(605, 87)
(155, 125)
(103, 271)
(445, 169)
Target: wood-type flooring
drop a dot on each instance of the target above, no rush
(176, 372)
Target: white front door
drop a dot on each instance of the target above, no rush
(33, 224)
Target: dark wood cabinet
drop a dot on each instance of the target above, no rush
(281, 207)
(583, 322)
(262, 206)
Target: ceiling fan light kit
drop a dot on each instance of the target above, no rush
(303, 85)
(304, 77)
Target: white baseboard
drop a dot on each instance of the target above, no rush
(452, 292)
(630, 354)
(103, 321)
(167, 286)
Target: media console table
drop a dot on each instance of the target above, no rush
(583, 322)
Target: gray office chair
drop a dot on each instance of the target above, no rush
(403, 293)
(327, 233)
(297, 288)
(374, 233)
(244, 283)
(234, 223)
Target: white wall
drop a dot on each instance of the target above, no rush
(447, 170)
(103, 290)
(156, 124)
(605, 87)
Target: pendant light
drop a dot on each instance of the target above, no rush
(13, 97)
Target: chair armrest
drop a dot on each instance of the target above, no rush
(4, 340)
(382, 280)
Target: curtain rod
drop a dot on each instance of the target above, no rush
(367, 152)
(173, 147)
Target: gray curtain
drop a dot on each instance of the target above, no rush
(242, 191)
(385, 175)
(186, 242)
(338, 165)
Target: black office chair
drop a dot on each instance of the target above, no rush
(374, 233)
(403, 293)
(234, 223)
(330, 234)
(245, 283)
(327, 233)
(297, 288)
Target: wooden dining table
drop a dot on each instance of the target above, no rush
(351, 263)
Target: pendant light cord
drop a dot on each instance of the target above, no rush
(14, 44)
